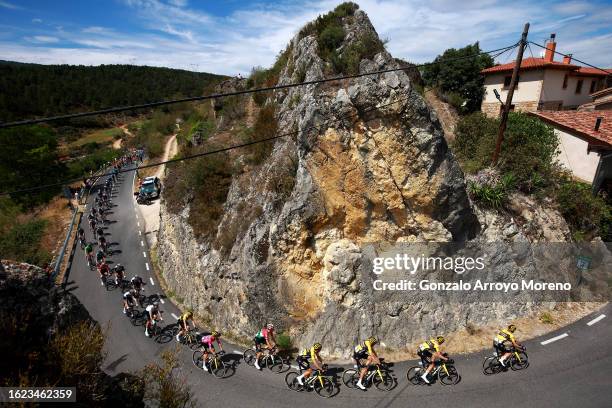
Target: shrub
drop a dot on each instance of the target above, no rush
(330, 38)
(22, 242)
(164, 387)
(366, 47)
(283, 341)
(546, 318)
(489, 189)
(587, 215)
(265, 127)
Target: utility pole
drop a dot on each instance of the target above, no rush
(508, 104)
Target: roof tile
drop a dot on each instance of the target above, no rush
(583, 123)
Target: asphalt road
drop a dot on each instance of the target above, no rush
(573, 371)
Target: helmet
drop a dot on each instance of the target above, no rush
(215, 333)
(270, 326)
(155, 304)
(512, 328)
(317, 346)
(189, 313)
(440, 339)
(372, 340)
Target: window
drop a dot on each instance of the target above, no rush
(579, 86)
(565, 78)
(593, 83)
(508, 79)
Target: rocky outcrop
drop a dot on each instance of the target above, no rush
(368, 164)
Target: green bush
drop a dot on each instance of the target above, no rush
(22, 243)
(366, 47)
(283, 341)
(92, 162)
(587, 215)
(489, 189)
(330, 38)
(528, 152)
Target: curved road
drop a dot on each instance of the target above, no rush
(574, 370)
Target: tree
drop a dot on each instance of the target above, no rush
(459, 80)
(28, 158)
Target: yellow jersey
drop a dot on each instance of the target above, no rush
(504, 335)
(432, 344)
(367, 346)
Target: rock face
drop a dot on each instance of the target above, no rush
(368, 163)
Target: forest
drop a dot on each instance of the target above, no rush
(34, 90)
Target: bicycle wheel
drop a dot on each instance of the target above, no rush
(491, 365)
(350, 378)
(192, 341)
(197, 359)
(249, 357)
(519, 363)
(291, 381)
(324, 387)
(218, 367)
(383, 380)
(450, 378)
(275, 364)
(414, 375)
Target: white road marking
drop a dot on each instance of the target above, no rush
(152, 282)
(140, 232)
(138, 223)
(144, 254)
(559, 337)
(161, 300)
(147, 265)
(141, 243)
(595, 320)
(175, 316)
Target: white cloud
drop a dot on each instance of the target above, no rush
(187, 35)
(9, 6)
(42, 39)
(97, 30)
(37, 20)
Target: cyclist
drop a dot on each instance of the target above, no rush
(207, 345)
(265, 337)
(89, 253)
(103, 270)
(137, 283)
(312, 357)
(128, 300)
(94, 212)
(365, 351)
(99, 231)
(100, 256)
(153, 315)
(119, 272)
(429, 352)
(503, 341)
(183, 322)
(102, 243)
(92, 222)
(82, 239)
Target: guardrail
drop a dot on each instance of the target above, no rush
(82, 199)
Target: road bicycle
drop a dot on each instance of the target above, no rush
(270, 359)
(191, 338)
(378, 374)
(90, 261)
(518, 360)
(215, 363)
(324, 386)
(444, 371)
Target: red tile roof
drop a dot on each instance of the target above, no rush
(582, 123)
(541, 63)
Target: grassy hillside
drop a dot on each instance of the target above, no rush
(31, 90)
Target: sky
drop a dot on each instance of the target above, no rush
(230, 37)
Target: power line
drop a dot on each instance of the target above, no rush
(41, 187)
(235, 93)
(210, 152)
(572, 57)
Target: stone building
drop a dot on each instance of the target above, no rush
(544, 84)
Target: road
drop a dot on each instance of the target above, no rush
(572, 371)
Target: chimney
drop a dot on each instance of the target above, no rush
(567, 59)
(550, 49)
(598, 123)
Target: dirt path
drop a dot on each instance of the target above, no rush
(150, 213)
